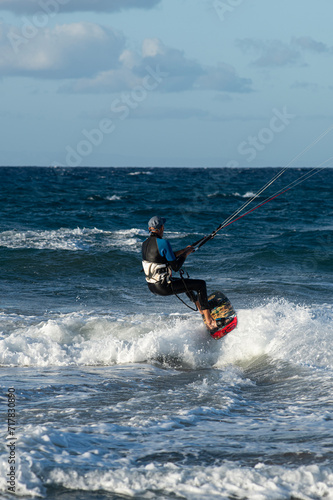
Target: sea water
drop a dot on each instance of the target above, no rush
(110, 392)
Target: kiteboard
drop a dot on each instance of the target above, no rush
(224, 314)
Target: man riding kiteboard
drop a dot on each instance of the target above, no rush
(159, 260)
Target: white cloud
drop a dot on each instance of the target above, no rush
(179, 73)
(66, 51)
(96, 59)
(151, 47)
(54, 6)
(182, 72)
(188, 74)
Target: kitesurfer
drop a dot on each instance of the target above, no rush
(159, 260)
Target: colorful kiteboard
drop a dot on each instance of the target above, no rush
(224, 314)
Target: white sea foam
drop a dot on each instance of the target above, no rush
(84, 455)
(59, 239)
(280, 330)
(114, 197)
(127, 240)
(261, 482)
(195, 483)
(140, 173)
(26, 482)
(72, 239)
(77, 239)
(212, 195)
(248, 194)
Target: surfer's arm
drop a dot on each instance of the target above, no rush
(186, 251)
(175, 260)
(177, 263)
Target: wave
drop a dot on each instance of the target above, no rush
(140, 173)
(191, 482)
(280, 330)
(59, 239)
(196, 482)
(48, 461)
(97, 197)
(72, 239)
(84, 239)
(248, 194)
(114, 198)
(62, 446)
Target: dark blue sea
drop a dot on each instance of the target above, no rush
(110, 392)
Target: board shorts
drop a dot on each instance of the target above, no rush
(194, 289)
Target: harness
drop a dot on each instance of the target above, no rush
(156, 273)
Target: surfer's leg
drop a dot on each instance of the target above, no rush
(210, 322)
(189, 286)
(160, 289)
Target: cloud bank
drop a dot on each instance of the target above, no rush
(181, 73)
(68, 51)
(96, 59)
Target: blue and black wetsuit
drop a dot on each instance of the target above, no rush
(158, 261)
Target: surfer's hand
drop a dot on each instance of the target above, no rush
(185, 251)
(189, 249)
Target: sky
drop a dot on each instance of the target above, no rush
(185, 83)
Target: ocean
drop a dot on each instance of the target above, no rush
(110, 392)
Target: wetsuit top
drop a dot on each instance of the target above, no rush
(158, 259)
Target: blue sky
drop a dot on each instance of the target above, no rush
(165, 82)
